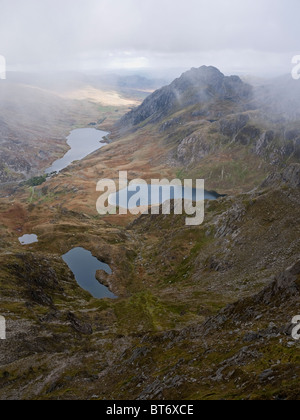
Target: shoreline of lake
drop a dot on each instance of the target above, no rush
(82, 143)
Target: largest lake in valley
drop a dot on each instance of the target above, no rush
(82, 142)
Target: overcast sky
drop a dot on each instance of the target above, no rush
(250, 36)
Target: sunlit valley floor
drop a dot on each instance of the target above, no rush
(202, 312)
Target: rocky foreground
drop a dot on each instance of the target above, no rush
(200, 313)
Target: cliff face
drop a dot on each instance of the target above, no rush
(290, 176)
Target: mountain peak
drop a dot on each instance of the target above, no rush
(208, 72)
(196, 86)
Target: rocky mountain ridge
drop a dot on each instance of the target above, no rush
(219, 127)
(203, 85)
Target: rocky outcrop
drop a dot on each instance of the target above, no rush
(170, 124)
(247, 135)
(193, 148)
(78, 325)
(264, 142)
(239, 130)
(228, 223)
(290, 176)
(283, 291)
(230, 127)
(38, 278)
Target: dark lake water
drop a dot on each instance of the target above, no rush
(154, 195)
(84, 266)
(82, 142)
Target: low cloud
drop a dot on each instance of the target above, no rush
(254, 35)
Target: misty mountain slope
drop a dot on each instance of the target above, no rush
(215, 127)
(280, 98)
(127, 84)
(32, 127)
(36, 116)
(203, 85)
